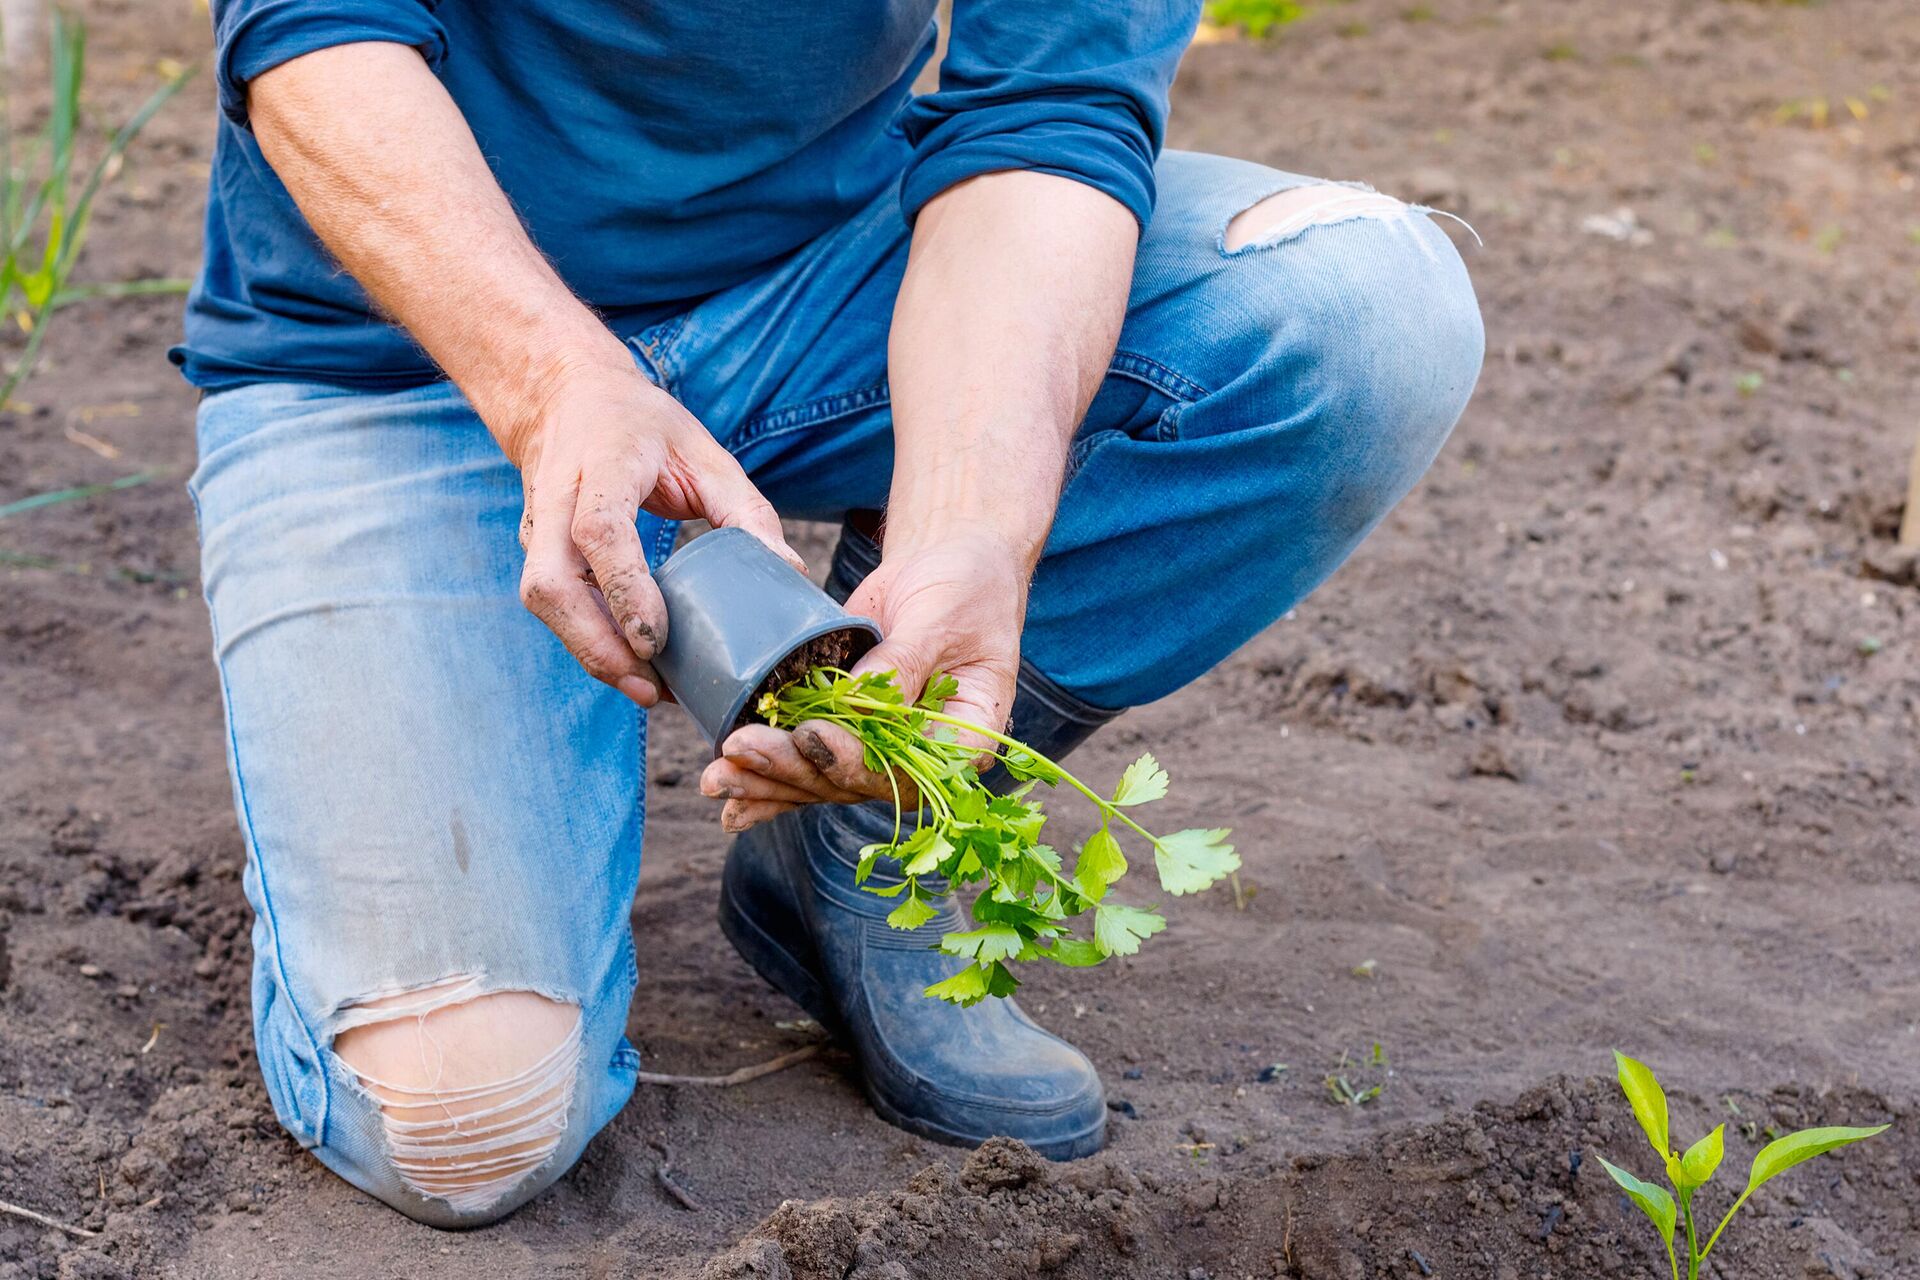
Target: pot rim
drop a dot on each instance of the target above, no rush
(825, 627)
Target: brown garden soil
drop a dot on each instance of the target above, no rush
(1608, 738)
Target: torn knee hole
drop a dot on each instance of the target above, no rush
(1285, 215)
(474, 1087)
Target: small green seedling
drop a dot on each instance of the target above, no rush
(966, 834)
(1355, 1083)
(1258, 18)
(1690, 1171)
(45, 216)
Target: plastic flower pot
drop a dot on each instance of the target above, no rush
(741, 622)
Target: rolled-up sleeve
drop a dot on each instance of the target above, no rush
(254, 36)
(1078, 90)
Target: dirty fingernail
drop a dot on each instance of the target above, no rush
(809, 745)
(642, 637)
(753, 760)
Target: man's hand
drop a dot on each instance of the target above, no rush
(953, 606)
(1015, 289)
(605, 444)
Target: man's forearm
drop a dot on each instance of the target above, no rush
(386, 171)
(1012, 303)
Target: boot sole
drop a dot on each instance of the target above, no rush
(793, 978)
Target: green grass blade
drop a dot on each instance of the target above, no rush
(120, 289)
(69, 39)
(75, 494)
(29, 355)
(122, 139)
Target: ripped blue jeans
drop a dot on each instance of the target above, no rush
(443, 813)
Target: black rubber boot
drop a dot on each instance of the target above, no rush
(789, 905)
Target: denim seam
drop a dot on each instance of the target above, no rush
(1131, 364)
(656, 350)
(253, 852)
(648, 365)
(812, 413)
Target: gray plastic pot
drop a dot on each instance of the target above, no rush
(735, 613)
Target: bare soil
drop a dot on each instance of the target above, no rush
(1606, 739)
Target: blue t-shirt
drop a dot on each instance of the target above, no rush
(660, 150)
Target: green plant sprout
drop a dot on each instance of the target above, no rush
(1372, 1077)
(966, 834)
(1690, 1171)
(34, 277)
(1257, 18)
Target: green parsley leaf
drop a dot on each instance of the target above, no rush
(939, 689)
(1118, 931)
(1144, 780)
(1101, 863)
(967, 987)
(911, 913)
(989, 942)
(1075, 953)
(1189, 861)
(932, 851)
(1028, 767)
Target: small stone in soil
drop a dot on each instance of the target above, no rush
(1133, 1073)
(1490, 760)
(1124, 1107)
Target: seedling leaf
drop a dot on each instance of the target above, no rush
(1652, 1201)
(1143, 781)
(967, 987)
(913, 912)
(1118, 930)
(1782, 1154)
(1648, 1100)
(1702, 1158)
(988, 942)
(1189, 861)
(939, 689)
(1100, 864)
(1075, 953)
(933, 849)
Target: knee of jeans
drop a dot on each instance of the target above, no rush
(1374, 337)
(474, 1090)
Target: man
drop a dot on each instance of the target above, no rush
(495, 294)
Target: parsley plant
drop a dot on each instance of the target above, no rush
(966, 834)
